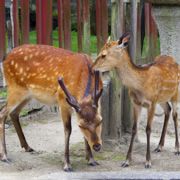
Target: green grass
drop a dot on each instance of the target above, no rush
(3, 94)
(74, 41)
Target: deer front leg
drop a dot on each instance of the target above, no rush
(151, 112)
(89, 155)
(66, 117)
(3, 116)
(137, 110)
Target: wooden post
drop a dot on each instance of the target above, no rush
(16, 23)
(44, 21)
(79, 26)
(24, 21)
(2, 30)
(147, 33)
(67, 24)
(98, 25)
(86, 26)
(104, 21)
(138, 42)
(120, 23)
(60, 23)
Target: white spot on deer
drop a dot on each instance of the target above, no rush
(45, 75)
(25, 74)
(56, 73)
(34, 74)
(27, 68)
(11, 74)
(22, 79)
(50, 60)
(21, 70)
(21, 52)
(31, 55)
(32, 86)
(36, 54)
(20, 49)
(48, 78)
(16, 65)
(25, 58)
(42, 53)
(12, 62)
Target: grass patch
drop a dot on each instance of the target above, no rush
(23, 113)
(3, 94)
(74, 41)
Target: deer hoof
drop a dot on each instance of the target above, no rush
(94, 163)
(30, 150)
(124, 165)
(157, 150)
(7, 160)
(147, 166)
(177, 153)
(68, 170)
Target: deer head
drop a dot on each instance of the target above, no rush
(88, 113)
(112, 53)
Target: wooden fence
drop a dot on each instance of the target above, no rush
(44, 24)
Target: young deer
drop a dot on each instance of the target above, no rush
(148, 85)
(34, 71)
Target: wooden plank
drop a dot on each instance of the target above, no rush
(24, 21)
(49, 23)
(120, 23)
(147, 32)
(104, 21)
(86, 26)
(153, 36)
(38, 21)
(98, 25)
(60, 23)
(16, 23)
(67, 24)
(79, 26)
(138, 42)
(2, 30)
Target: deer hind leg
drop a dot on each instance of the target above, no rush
(89, 155)
(167, 109)
(66, 112)
(15, 118)
(175, 118)
(3, 116)
(151, 112)
(137, 111)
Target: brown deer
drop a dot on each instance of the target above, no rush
(148, 85)
(33, 71)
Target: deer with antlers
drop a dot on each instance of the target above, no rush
(151, 84)
(36, 71)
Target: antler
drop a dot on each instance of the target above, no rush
(97, 94)
(70, 99)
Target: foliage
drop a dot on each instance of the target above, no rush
(3, 94)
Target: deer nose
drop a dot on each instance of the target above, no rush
(97, 147)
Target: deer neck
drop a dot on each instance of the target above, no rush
(128, 72)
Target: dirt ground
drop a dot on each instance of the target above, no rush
(44, 133)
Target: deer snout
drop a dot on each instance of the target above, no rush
(97, 147)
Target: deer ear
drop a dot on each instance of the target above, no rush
(124, 39)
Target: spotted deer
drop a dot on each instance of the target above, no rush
(151, 84)
(53, 76)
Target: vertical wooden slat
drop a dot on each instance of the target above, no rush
(67, 24)
(60, 23)
(153, 36)
(2, 30)
(120, 23)
(38, 21)
(24, 21)
(138, 43)
(86, 26)
(147, 32)
(44, 21)
(16, 23)
(79, 26)
(98, 25)
(104, 21)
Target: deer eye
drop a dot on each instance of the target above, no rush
(104, 55)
